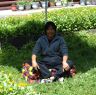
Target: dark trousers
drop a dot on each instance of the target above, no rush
(45, 73)
(44, 68)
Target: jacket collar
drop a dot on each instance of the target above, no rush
(54, 39)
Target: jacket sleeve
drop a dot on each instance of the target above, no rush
(63, 47)
(37, 47)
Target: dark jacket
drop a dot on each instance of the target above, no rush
(53, 51)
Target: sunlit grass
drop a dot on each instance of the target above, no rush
(82, 47)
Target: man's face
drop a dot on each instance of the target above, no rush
(50, 32)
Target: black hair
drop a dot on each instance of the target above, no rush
(48, 24)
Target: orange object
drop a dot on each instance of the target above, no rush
(14, 8)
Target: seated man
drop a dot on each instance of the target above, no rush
(54, 53)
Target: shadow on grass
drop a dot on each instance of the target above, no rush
(80, 52)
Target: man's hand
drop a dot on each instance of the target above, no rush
(35, 65)
(65, 66)
(34, 62)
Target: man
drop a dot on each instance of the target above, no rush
(54, 51)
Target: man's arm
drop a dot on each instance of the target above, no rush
(64, 63)
(64, 52)
(65, 58)
(35, 52)
(34, 62)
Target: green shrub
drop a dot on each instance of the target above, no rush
(11, 82)
(74, 19)
(22, 29)
(82, 44)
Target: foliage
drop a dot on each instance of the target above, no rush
(74, 19)
(28, 2)
(52, 0)
(21, 29)
(64, 1)
(82, 44)
(11, 82)
(30, 27)
(83, 83)
(35, 0)
(82, 50)
(21, 2)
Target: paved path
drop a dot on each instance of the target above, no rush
(6, 13)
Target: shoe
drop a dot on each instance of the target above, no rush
(52, 78)
(42, 81)
(45, 81)
(61, 79)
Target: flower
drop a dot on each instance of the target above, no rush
(22, 84)
(10, 89)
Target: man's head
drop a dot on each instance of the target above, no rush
(50, 29)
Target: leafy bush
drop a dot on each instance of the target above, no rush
(82, 44)
(73, 19)
(11, 83)
(22, 29)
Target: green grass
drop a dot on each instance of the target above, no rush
(82, 51)
(81, 84)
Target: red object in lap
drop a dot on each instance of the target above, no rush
(27, 72)
(34, 76)
(73, 71)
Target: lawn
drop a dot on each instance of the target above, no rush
(82, 50)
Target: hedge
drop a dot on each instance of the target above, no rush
(25, 28)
